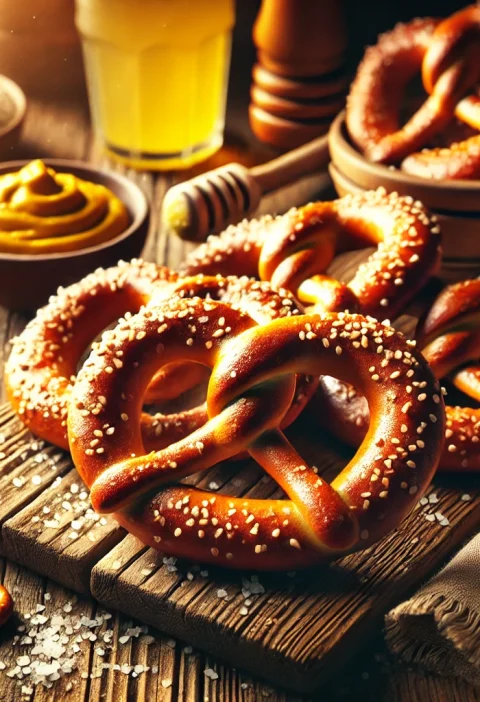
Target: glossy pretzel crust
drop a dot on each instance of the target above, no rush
(447, 54)
(250, 390)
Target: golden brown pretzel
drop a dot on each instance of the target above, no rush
(450, 337)
(456, 39)
(377, 94)
(459, 160)
(450, 70)
(294, 250)
(250, 391)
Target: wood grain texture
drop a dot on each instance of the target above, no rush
(171, 672)
(59, 534)
(27, 466)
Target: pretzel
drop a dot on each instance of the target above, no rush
(250, 391)
(456, 39)
(377, 94)
(458, 36)
(295, 249)
(44, 359)
(450, 337)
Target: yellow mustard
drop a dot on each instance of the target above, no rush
(42, 211)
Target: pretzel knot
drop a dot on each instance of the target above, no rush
(250, 390)
(294, 250)
(447, 55)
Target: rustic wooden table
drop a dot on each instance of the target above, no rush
(174, 671)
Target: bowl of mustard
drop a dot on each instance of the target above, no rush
(60, 220)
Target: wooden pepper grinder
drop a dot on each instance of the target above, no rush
(299, 81)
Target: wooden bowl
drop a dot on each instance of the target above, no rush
(13, 106)
(27, 281)
(456, 203)
(460, 234)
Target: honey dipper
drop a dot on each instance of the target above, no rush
(208, 203)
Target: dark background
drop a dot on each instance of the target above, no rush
(365, 20)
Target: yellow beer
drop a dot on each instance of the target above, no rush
(157, 73)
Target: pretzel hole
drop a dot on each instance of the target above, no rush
(163, 396)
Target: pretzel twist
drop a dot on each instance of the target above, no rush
(448, 57)
(293, 251)
(42, 366)
(255, 298)
(250, 390)
(456, 41)
(449, 335)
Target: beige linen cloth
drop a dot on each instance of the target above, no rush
(439, 627)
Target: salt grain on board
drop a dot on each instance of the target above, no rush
(49, 646)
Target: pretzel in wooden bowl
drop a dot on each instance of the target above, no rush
(446, 53)
(455, 42)
(449, 335)
(44, 359)
(294, 250)
(250, 391)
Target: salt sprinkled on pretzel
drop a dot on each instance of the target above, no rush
(43, 363)
(378, 91)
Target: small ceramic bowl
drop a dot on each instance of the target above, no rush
(456, 203)
(27, 280)
(13, 106)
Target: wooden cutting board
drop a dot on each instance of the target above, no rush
(294, 629)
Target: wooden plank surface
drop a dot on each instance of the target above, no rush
(291, 629)
(175, 672)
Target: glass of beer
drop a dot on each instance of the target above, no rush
(157, 74)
